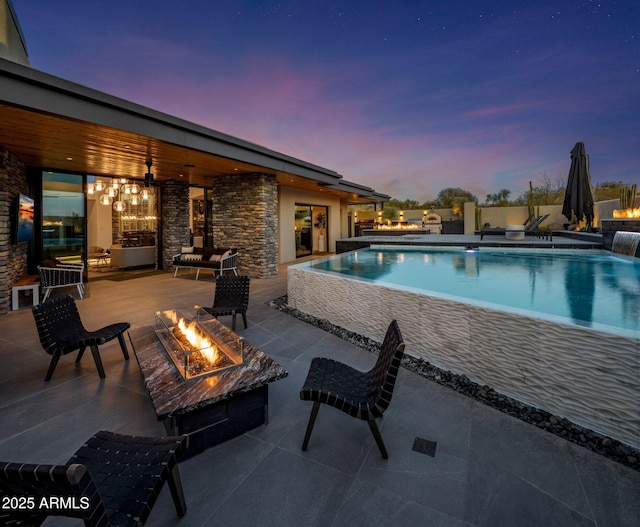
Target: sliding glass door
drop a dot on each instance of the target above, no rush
(304, 246)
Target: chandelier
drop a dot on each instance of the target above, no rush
(118, 191)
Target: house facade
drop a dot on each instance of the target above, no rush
(77, 153)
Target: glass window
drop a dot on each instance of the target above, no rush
(63, 216)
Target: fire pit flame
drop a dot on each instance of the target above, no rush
(627, 213)
(198, 340)
(195, 346)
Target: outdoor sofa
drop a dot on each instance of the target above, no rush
(218, 260)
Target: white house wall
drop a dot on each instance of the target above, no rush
(287, 200)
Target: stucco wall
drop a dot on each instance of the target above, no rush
(12, 46)
(286, 211)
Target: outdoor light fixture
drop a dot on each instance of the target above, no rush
(91, 188)
(148, 177)
(99, 185)
(105, 199)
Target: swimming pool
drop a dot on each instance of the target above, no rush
(589, 288)
(568, 343)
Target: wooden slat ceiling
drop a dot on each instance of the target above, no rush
(63, 144)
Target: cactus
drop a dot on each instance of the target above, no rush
(628, 197)
(530, 202)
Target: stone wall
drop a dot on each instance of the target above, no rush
(13, 258)
(174, 219)
(609, 227)
(245, 215)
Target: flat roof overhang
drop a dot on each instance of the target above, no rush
(53, 123)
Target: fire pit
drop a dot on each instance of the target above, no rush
(193, 346)
(211, 402)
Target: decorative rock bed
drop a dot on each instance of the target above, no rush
(598, 443)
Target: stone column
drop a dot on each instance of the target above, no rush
(245, 216)
(173, 219)
(13, 258)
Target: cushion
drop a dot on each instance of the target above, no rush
(186, 249)
(208, 252)
(50, 262)
(220, 257)
(191, 257)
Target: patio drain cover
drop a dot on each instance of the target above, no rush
(424, 446)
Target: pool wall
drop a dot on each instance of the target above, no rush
(589, 377)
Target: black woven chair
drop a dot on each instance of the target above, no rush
(112, 480)
(231, 298)
(364, 395)
(61, 331)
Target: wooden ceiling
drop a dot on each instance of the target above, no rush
(65, 144)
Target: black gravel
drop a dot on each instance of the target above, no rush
(598, 443)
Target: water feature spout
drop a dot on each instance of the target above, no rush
(625, 242)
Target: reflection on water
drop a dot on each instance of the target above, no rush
(586, 287)
(580, 287)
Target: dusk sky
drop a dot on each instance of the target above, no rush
(406, 97)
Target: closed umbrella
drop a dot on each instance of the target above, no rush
(578, 198)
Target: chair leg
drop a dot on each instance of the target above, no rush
(244, 318)
(47, 292)
(175, 486)
(312, 421)
(79, 290)
(98, 360)
(52, 366)
(123, 345)
(80, 354)
(376, 435)
(233, 321)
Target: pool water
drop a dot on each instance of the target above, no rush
(590, 288)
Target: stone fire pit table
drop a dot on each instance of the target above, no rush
(210, 409)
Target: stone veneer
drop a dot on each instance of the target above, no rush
(174, 219)
(609, 227)
(587, 376)
(245, 216)
(13, 258)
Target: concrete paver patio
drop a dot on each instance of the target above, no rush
(488, 470)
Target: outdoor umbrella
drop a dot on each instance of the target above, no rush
(578, 198)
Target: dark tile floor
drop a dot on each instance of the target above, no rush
(488, 470)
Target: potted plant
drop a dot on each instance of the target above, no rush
(321, 223)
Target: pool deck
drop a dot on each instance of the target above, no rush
(561, 240)
(489, 469)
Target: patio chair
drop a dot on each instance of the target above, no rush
(231, 298)
(112, 480)
(531, 226)
(54, 274)
(363, 395)
(61, 332)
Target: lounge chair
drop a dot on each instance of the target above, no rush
(530, 227)
(231, 298)
(363, 395)
(54, 274)
(112, 480)
(61, 331)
